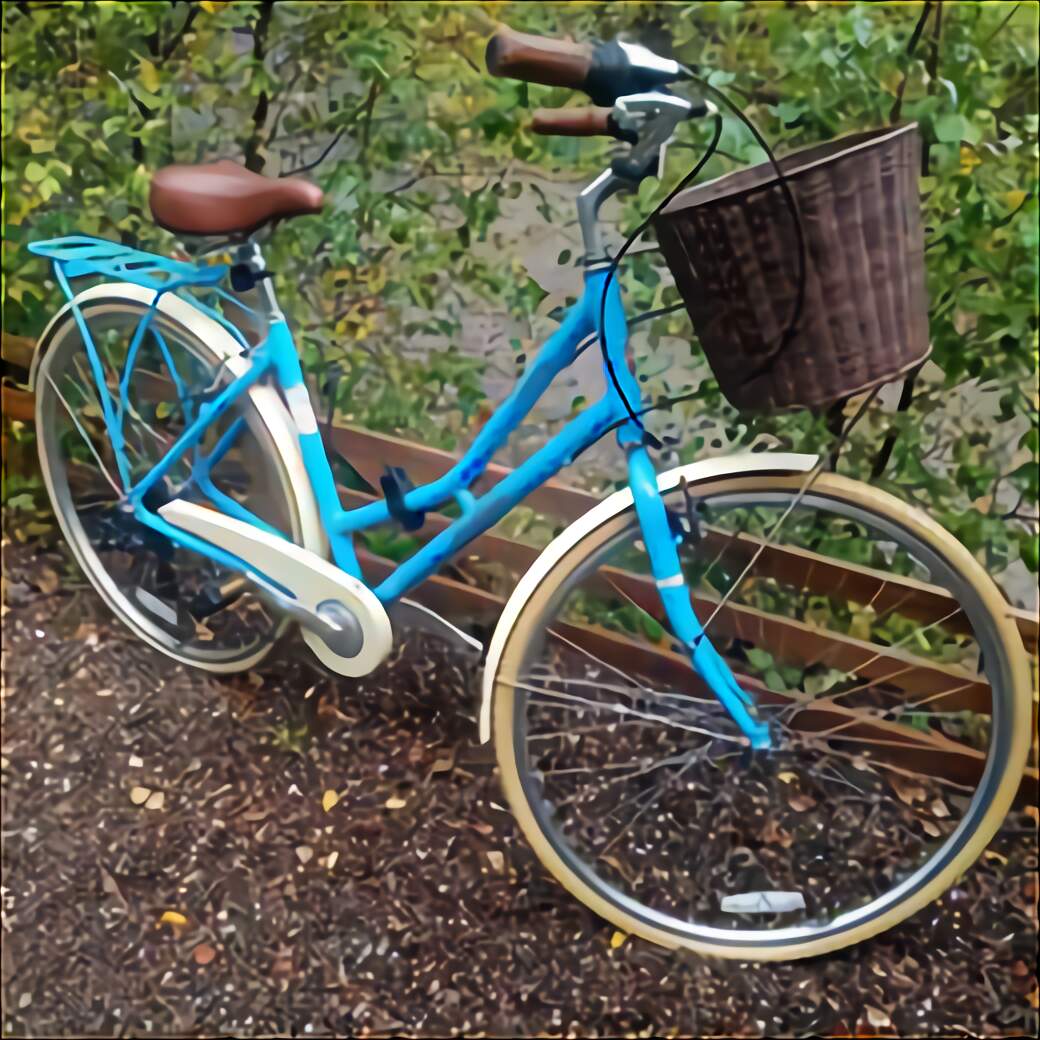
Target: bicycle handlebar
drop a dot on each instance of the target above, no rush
(605, 72)
(577, 122)
(537, 59)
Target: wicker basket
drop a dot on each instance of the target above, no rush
(732, 247)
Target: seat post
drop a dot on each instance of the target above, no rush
(250, 254)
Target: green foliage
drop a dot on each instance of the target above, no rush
(97, 95)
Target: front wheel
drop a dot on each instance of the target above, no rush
(882, 657)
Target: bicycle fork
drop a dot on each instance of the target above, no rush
(675, 595)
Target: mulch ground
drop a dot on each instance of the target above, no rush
(173, 864)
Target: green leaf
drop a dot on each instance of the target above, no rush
(760, 660)
(34, 172)
(950, 128)
(1029, 550)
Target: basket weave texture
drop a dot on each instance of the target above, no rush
(732, 248)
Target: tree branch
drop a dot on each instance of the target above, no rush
(366, 126)
(1011, 14)
(253, 159)
(889, 443)
(915, 36)
(168, 50)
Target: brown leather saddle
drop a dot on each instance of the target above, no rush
(223, 198)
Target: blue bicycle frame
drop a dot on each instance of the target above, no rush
(276, 357)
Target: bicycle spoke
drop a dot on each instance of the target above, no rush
(619, 709)
(90, 444)
(593, 657)
(146, 578)
(645, 808)
(867, 778)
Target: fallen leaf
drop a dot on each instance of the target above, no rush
(331, 861)
(135, 762)
(139, 795)
(329, 799)
(304, 853)
(173, 917)
(103, 693)
(156, 800)
(775, 835)
(931, 829)
(878, 1019)
(393, 802)
(801, 802)
(617, 939)
(939, 808)
(47, 580)
(24, 1000)
(497, 860)
(906, 790)
(786, 778)
(110, 886)
(203, 953)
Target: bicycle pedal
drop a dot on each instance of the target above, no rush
(396, 484)
(215, 597)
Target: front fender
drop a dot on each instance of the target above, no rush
(695, 472)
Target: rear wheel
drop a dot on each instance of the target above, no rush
(177, 600)
(880, 653)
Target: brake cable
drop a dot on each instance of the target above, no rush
(633, 414)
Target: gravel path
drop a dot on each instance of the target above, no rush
(169, 868)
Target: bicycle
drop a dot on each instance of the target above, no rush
(749, 787)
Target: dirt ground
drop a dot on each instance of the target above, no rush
(285, 853)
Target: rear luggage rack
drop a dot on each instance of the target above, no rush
(79, 255)
(76, 256)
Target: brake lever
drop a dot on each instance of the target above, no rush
(654, 118)
(702, 107)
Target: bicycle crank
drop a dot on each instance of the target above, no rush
(341, 619)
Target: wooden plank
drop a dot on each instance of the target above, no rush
(944, 758)
(901, 746)
(17, 350)
(790, 641)
(886, 593)
(18, 404)
(369, 452)
(794, 642)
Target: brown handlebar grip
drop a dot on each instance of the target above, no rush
(538, 59)
(572, 122)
